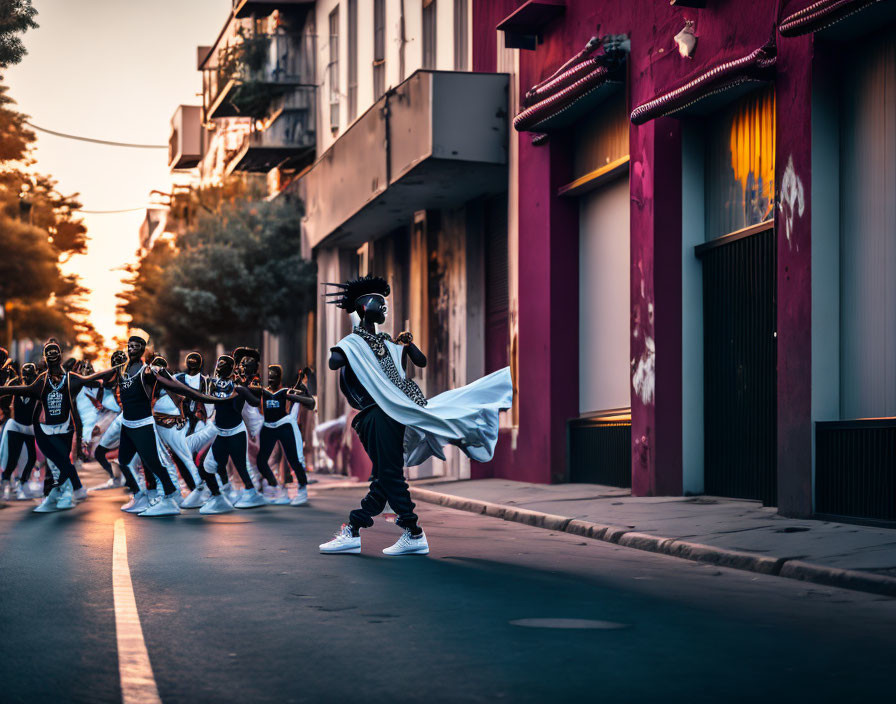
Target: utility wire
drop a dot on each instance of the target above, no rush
(109, 212)
(96, 141)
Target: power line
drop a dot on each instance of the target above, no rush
(109, 212)
(96, 141)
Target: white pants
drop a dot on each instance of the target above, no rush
(112, 437)
(176, 441)
(4, 446)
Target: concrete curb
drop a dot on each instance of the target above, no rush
(735, 559)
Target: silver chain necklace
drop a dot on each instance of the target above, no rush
(377, 343)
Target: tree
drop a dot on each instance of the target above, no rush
(16, 16)
(237, 272)
(39, 230)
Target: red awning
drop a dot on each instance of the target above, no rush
(805, 16)
(576, 86)
(757, 66)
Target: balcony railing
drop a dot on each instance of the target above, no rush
(290, 137)
(263, 8)
(254, 70)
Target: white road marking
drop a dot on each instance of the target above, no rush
(138, 685)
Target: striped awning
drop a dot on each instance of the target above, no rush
(805, 16)
(755, 67)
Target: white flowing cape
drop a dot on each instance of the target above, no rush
(466, 417)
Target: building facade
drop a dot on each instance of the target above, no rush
(674, 221)
(411, 183)
(724, 191)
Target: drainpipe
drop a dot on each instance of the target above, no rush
(402, 41)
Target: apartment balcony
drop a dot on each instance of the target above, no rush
(289, 138)
(245, 77)
(438, 140)
(263, 8)
(185, 141)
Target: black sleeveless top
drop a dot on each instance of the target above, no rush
(54, 399)
(23, 410)
(228, 414)
(133, 397)
(274, 405)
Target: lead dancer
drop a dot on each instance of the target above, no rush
(279, 427)
(397, 425)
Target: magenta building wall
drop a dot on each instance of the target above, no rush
(547, 378)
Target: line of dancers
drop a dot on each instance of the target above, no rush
(167, 428)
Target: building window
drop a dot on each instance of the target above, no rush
(867, 113)
(740, 165)
(379, 48)
(333, 69)
(352, 59)
(429, 33)
(460, 35)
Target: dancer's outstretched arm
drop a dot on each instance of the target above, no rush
(303, 399)
(31, 390)
(167, 381)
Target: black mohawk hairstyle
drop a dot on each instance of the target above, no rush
(351, 291)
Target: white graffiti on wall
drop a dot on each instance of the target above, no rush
(644, 376)
(792, 200)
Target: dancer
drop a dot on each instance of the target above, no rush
(55, 390)
(397, 425)
(112, 434)
(231, 442)
(138, 433)
(171, 425)
(18, 435)
(280, 426)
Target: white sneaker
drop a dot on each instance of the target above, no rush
(48, 505)
(164, 506)
(5, 490)
(197, 497)
(139, 502)
(66, 498)
(231, 492)
(280, 496)
(216, 504)
(22, 493)
(343, 541)
(249, 498)
(81, 494)
(408, 545)
(301, 497)
(110, 483)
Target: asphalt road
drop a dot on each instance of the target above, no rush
(243, 608)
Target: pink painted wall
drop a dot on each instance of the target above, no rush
(726, 30)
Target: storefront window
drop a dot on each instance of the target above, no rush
(740, 165)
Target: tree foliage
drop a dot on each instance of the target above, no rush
(39, 230)
(235, 272)
(16, 16)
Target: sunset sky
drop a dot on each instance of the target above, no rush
(115, 70)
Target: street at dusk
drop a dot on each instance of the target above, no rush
(447, 351)
(243, 608)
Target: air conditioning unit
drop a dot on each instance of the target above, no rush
(185, 142)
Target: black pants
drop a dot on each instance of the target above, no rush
(15, 442)
(142, 441)
(266, 442)
(233, 447)
(57, 449)
(383, 439)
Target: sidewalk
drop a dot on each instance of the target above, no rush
(728, 532)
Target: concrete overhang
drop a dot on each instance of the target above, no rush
(436, 141)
